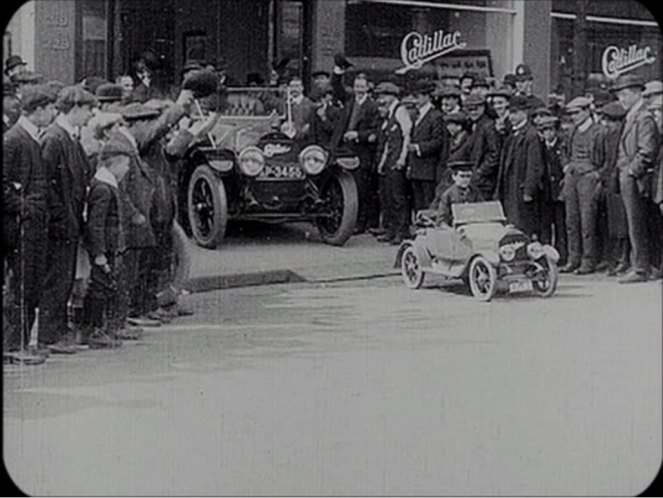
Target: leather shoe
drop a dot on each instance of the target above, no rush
(584, 270)
(396, 241)
(633, 277)
(376, 231)
(568, 268)
(386, 238)
(622, 267)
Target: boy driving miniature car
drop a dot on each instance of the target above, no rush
(460, 192)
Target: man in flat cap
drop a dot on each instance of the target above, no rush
(393, 141)
(24, 213)
(653, 89)
(483, 143)
(637, 151)
(553, 215)
(586, 158)
(425, 146)
(356, 128)
(520, 171)
(68, 174)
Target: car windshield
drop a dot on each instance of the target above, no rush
(247, 115)
(477, 212)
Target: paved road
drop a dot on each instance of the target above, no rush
(356, 388)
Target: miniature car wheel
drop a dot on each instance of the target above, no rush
(411, 271)
(483, 279)
(545, 281)
(207, 207)
(340, 193)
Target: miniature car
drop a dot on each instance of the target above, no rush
(488, 254)
(252, 168)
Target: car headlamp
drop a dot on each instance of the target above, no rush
(222, 165)
(507, 252)
(251, 161)
(313, 159)
(348, 162)
(535, 250)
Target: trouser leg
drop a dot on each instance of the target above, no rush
(572, 207)
(636, 213)
(386, 205)
(586, 187)
(398, 198)
(59, 276)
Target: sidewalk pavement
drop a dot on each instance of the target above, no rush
(258, 254)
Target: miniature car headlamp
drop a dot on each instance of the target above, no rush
(348, 162)
(535, 250)
(251, 161)
(507, 252)
(313, 159)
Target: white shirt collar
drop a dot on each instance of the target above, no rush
(361, 100)
(423, 110)
(61, 120)
(105, 176)
(582, 127)
(393, 106)
(29, 126)
(517, 128)
(299, 99)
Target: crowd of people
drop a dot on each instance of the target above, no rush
(90, 181)
(89, 203)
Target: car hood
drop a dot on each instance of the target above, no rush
(486, 235)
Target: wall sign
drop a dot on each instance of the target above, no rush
(417, 49)
(616, 61)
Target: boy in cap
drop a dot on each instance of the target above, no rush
(483, 144)
(520, 171)
(24, 214)
(103, 237)
(638, 147)
(450, 99)
(586, 157)
(425, 146)
(553, 216)
(68, 175)
(461, 191)
(456, 147)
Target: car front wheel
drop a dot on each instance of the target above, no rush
(483, 279)
(545, 281)
(340, 193)
(207, 207)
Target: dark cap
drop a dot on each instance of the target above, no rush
(117, 145)
(602, 97)
(613, 110)
(456, 117)
(474, 100)
(34, 96)
(136, 110)
(423, 87)
(202, 82)
(320, 91)
(523, 72)
(460, 165)
(548, 122)
(501, 91)
(191, 65)
(341, 61)
(520, 103)
(75, 95)
(109, 92)
(449, 91)
(509, 79)
(627, 81)
(388, 88)
(578, 103)
(13, 61)
(542, 111)
(479, 80)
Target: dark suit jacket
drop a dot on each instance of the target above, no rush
(483, 144)
(103, 227)
(68, 173)
(428, 135)
(555, 160)
(322, 130)
(521, 171)
(23, 185)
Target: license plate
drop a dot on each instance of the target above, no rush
(520, 286)
(281, 172)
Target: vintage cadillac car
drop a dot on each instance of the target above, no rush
(481, 249)
(251, 168)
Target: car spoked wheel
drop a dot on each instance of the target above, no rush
(482, 278)
(545, 281)
(340, 195)
(413, 276)
(207, 207)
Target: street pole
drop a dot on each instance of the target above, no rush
(580, 49)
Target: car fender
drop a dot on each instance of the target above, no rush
(491, 256)
(551, 252)
(417, 245)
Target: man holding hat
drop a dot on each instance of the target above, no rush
(638, 147)
(393, 141)
(586, 157)
(483, 145)
(425, 146)
(24, 213)
(521, 169)
(69, 174)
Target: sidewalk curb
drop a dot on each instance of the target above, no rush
(220, 282)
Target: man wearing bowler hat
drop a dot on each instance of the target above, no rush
(521, 169)
(394, 137)
(638, 146)
(14, 65)
(425, 146)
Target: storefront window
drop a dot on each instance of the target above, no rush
(374, 32)
(94, 38)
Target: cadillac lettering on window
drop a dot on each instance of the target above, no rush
(616, 61)
(417, 49)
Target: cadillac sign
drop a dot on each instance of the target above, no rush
(616, 61)
(417, 49)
